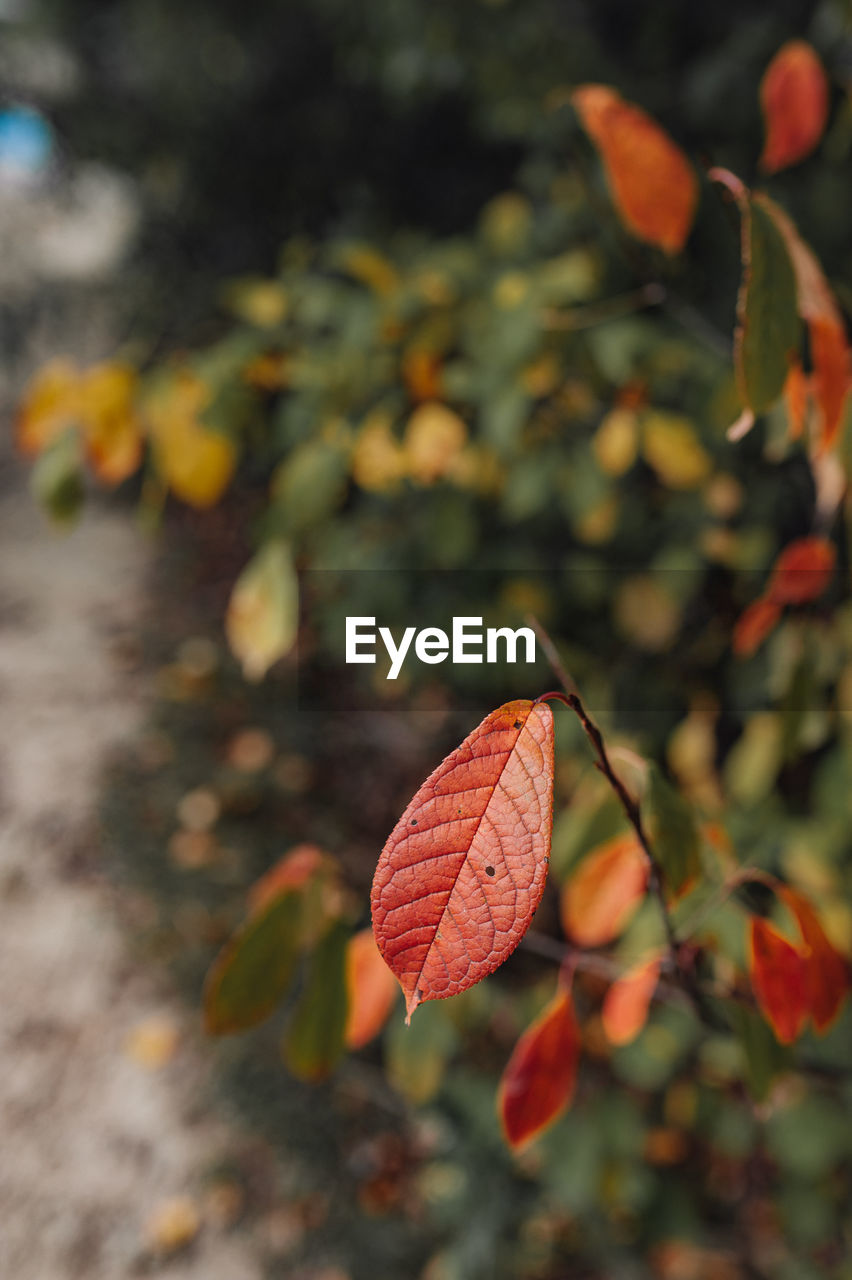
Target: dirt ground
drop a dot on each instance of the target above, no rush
(105, 1145)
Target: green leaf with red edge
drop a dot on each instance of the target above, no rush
(540, 1078)
(602, 895)
(831, 358)
(779, 979)
(253, 971)
(463, 871)
(794, 100)
(768, 332)
(675, 833)
(314, 1039)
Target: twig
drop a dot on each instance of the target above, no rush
(652, 294)
(633, 813)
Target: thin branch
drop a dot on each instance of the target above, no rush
(633, 813)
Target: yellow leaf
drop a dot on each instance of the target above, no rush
(371, 268)
(646, 613)
(262, 303)
(378, 459)
(434, 439)
(111, 426)
(152, 1043)
(616, 441)
(262, 620)
(173, 1225)
(672, 448)
(49, 407)
(196, 463)
(506, 222)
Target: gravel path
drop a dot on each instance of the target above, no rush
(107, 1144)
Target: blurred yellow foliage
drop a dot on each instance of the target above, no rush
(99, 402)
(434, 438)
(371, 268)
(50, 405)
(111, 425)
(196, 463)
(616, 441)
(646, 613)
(378, 460)
(263, 303)
(506, 222)
(670, 445)
(262, 619)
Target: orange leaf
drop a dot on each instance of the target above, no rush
(463, 870)
(651, 181)
(780, 981)
(603, 893)
(832, 376)
(796, 390)
(754, 625)
(541, 1075)
(827, 970)
(371, 987)
(626, 1004)
(802, 571)
(794, 99)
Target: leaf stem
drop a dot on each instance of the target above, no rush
(632, 812)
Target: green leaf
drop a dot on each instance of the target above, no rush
(769, 327)
(253, 971)
(313, 1043)
(308, 486)
(56, 481)
(674, 831)
(416, 1056)
(763, 1056)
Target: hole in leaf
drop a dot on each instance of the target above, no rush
(489, 871)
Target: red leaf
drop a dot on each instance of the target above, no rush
(603, 893)
(541, 1075)
(371, 988)
(626, 1004)
(827, 970)
(780, 981)
(463, 870)
(651, 181)
(802, 571)
(754, 625)
(794, 98)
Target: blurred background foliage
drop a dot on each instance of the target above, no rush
(378, 265)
